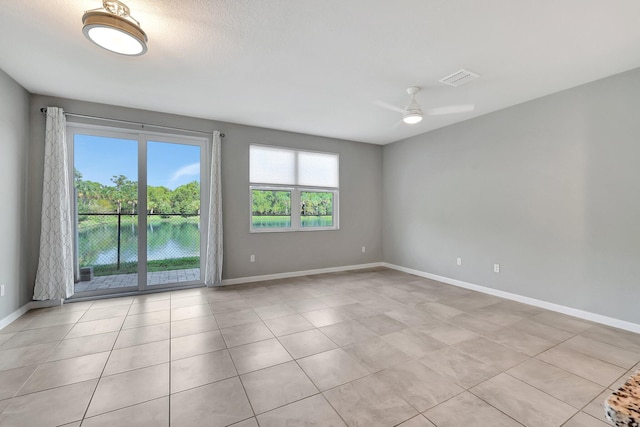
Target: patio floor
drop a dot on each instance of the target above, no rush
(100, 283)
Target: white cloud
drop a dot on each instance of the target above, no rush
(188, 170)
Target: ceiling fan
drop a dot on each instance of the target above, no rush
(413, 112)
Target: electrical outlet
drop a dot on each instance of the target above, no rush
(364, 249)
(1, 290)
(496, 268)
(252, 258)
(459, 261)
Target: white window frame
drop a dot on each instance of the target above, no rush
(296, 190)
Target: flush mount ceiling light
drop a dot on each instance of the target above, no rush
(413, 112)
(112, 27)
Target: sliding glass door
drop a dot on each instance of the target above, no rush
(136, 204)
(105, 178)
(173, 213)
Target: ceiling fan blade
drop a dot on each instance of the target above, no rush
(389, 106)
(450, 109)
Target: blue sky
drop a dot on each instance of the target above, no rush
(171, 165)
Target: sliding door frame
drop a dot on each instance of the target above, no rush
(143, 137)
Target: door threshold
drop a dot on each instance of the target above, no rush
(80, 298)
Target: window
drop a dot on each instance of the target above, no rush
(292, 190)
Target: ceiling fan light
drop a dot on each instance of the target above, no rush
(113, 32)
(412, 117)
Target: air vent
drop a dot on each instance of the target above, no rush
(459, 78)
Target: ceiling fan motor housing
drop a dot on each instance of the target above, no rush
(413, 112)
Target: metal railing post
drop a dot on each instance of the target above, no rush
(119, 223)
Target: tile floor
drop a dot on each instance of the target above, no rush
(365, 348)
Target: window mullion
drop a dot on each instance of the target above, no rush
(297, 169)
(142, 212)
(295, 196)
(295, 209)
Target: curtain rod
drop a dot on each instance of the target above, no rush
(44, 110)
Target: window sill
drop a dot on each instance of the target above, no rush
(291, 230)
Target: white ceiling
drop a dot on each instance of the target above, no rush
(319, 66)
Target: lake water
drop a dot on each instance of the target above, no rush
(285, 221)
(167, 240)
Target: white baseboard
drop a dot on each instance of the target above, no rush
(582, 314)
(13, 316)
(276, 276)
(28, 306)
(586, 315)
(45, 304)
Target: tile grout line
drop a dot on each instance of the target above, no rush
(39, 365)
(497, 409)
(371, 374)
(104, 367)
(320, 392)
(236, 369)
(170, 360)
(533, 386)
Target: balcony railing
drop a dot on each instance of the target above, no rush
(108, 242)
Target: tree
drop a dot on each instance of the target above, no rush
(260, 203)
(271, 203)
(77, 176)
(90, 195)
(281, 203)
(158, 200)
(94, 197)
(126, 192)
(314, 203)
(186, 198)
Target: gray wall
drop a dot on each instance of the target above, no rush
(360, 194)
(549, 189)
(14, 138)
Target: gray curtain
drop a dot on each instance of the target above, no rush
(213, 260)
(54, 278)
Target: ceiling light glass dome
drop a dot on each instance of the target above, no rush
(113, 28)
